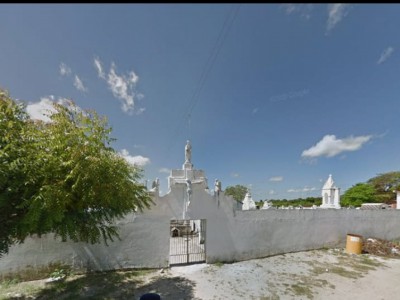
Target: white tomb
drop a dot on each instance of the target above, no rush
(266, 205)
(398, 199)
(248, 202)
(330, 194)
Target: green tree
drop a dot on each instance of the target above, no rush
(305, 202)
(62, 176)
(359, 194)
(384, 185)
(238, 192)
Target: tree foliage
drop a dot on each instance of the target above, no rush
(378, 189)
(384, 185)
(238, 192)
(359, 194)
(304, 202)
(62, 176)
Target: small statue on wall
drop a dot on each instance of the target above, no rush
(156, 184)
(217, 187)
(188, 152)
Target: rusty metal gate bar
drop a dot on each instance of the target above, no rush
(187, 242)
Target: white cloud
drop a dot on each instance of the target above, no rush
(79, 84)
(329, 146)
(289, 8)
(122, 87)
(276, 178)
(272, 192)
(235, 175)
(336, 12)
(99, 68)
(304, 10)
(44, 108)
(64, 70)
(165, 170)
(40, 110)
(133, 77)
(134, 160)
(385, 55)
(302, 190)
(140, 111)
(255, 110)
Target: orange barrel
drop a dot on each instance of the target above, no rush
(354, 244)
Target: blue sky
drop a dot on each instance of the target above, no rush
(274, 97)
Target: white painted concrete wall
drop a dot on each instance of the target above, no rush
(268, 232)
(231, 235)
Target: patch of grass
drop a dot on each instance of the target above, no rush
(272, 297)
(350, 267)
(302, 290)
(135, 273)
(9, 282)
(362, 263)
(84, 286)
(18, 290)
(218, 264)
(318, 270)
(370, 262)
(362, 268)
(344, 272)
(31, 273)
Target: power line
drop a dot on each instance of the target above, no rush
(186, 117)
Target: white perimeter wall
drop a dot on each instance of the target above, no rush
(230, 235)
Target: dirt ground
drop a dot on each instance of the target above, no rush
(318, 274)
(322, 274)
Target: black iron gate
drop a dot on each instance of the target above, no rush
(187, 242)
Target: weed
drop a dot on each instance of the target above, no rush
(59, 273)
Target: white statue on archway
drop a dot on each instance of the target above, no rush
(188, 152)
(217, 187)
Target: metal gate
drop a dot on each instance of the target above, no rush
(187, 242)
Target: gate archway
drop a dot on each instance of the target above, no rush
(187, 242)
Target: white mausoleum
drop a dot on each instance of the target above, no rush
(248, 202)
(330, 194)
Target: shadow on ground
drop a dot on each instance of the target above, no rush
(115, 286)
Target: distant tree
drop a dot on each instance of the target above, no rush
(238, 192)
(304, 202)
(359, 194)
(384, 185)
(259, 204)
(62, 176)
